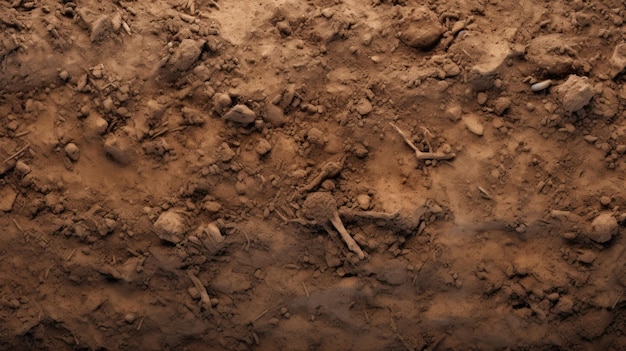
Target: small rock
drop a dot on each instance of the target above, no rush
(100, 28)
(274, 115)
(225, 153)
(364, 201)
(421, 29)
(587, 257)
(170, 227)
(564, 306)
(575, 93)
(7, 198)
(221, 101)
(454, 113)
(501, 105)
(360, 150)
(22, 168)
(185, 55)
(240, 114)
(130, 318)
(605, 201)
(473, 124)
(603, 228)
(364, 107)
(64, 76)
(451, 69)
(284, 28)
(328, 13)
(118, 148)
(212, 206)
(315, 137)
(72, 151)
(481, 98)
(263, 147)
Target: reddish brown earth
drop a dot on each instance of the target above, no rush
(157, 155)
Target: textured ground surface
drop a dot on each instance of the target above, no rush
(156, 156)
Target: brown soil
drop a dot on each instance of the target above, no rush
(157, 155)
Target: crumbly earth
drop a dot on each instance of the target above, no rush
(153, 154)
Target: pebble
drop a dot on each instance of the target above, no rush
(225, 152)
(22, 168)
(263, 147)
(501, 105)
(473, 124)
(454, 113)
(118, 148)
(185, 55)
(240, 114)
(170, 227)
(575, 93)
(587, 257)
(481, 98)
(7, 198)
(605, 201)
(564, 306)
(72, 151)
(284, 28)
(364, 107)
(421, 29)
(603, 227)
(130, 318)
(364, 201)
(328, 12)
(221, 101)
(274, 115)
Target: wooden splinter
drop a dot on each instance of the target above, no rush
(420, 154)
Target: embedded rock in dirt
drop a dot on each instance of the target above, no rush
(364, 107)
(489, 52)
(554, 54)
(7, 198)
(274, 115)
(421, 28)
(603, 228)
(575, 93)
(72, 151)
(185, 55)
(240, 114)
(118, 148)
(472, 123)
(170, 226)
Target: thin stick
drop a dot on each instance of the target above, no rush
(420, 155)
(20, 134)
(306, 291)
(261, 315)
(48, 271)
(140, 323)
(17, 153)
(70, 255)
(618, 300)
(18, 226)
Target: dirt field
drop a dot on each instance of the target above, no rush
(312, 175)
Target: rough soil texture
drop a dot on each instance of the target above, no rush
(156, 156)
